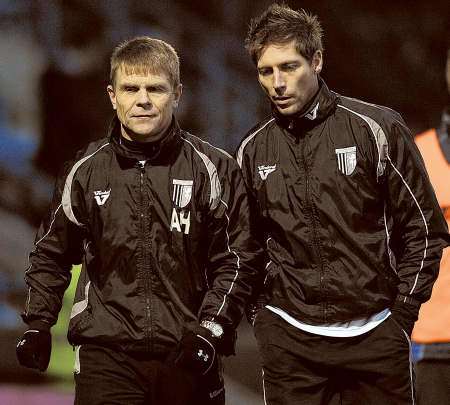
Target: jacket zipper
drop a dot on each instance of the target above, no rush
(313, 224)
(145, 261)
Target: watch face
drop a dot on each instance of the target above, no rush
(217, 331)
(215, 328)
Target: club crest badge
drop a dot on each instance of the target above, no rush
(182, 192)
(346, 160)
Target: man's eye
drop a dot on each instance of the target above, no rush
(290, 67)
(264, 72)
(130, 89)
(157, 90)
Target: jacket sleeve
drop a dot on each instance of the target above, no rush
(257, 221)
(234, 254)
(57, 247)
(419, 230)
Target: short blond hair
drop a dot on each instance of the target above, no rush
(146, 55)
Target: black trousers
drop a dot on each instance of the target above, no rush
(110, 377)
(303, 368)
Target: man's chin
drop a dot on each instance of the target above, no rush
(287, 111)
(142, 133)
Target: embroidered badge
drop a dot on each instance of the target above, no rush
(101, 196)
(265, 170)
(182, 192)
(346, 159)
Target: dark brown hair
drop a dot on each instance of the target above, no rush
(279, 24)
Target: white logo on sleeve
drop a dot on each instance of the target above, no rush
(346, 159)
(101, 196)
(202, 355)
(265, 170)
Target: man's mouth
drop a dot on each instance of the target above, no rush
(143, 116)
(282, 100)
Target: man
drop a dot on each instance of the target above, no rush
(159, 220)
(353, 230)
(431, 334)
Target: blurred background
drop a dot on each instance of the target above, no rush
(53, 75)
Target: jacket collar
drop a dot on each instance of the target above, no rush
(320, 107)
(152, 152)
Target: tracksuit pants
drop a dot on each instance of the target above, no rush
(109, 377)
(303, 368)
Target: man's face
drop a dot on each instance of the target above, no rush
(288, 78)
(144, 103)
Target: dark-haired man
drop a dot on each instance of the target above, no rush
(159, 220)
(353, 231)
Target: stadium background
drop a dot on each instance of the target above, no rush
(53, 75)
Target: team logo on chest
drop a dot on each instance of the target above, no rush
(101, 196)
(182, 194)
(346, 160)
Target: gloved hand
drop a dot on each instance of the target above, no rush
(34, 348)
(196, 350)
(253, 307)
(405, 315)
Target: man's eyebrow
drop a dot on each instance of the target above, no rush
(128, 84)
(152, 85)
(286, 62)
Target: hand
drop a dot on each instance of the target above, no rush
(405, 315)
(196, 350)
(34, 348)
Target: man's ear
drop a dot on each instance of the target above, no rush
(177, 95)
(112, 95)
(317, 61)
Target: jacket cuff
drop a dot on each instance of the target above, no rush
(39, 325)
(407, 300)
(407, 310)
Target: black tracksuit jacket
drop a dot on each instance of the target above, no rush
(350, 219)
(162, 243)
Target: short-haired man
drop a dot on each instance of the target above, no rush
(353, 230)
(159, 220)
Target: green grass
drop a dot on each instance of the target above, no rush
(62, 360)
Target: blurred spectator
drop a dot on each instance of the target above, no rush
(74, 105)
(431, 333)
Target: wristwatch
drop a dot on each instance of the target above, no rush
(214, 327)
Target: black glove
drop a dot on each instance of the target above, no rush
(405, 315)
(196, 350)
(254, 307)
(34, 348)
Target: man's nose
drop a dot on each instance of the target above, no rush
(143, 98)
(279, 83)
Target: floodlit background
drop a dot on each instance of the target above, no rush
(53, 76)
